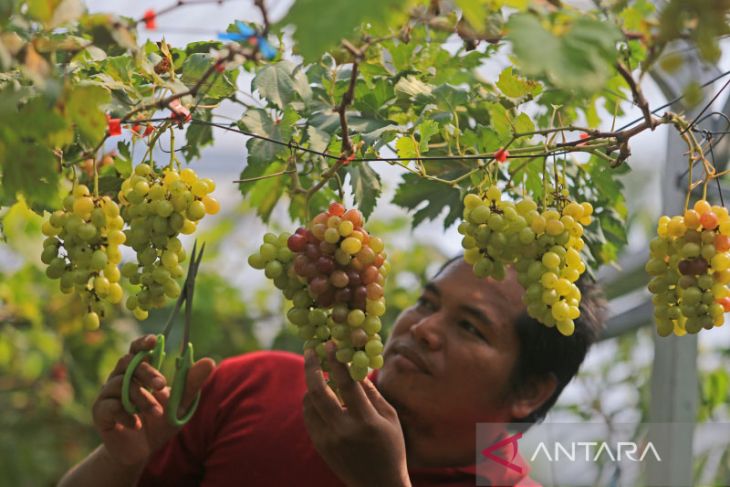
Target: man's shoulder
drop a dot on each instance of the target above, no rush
(244, 381)
(265, 364)
(263, 358)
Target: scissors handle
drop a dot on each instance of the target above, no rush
(157, 355)
(182, 366)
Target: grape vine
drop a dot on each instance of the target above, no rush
(390, 92)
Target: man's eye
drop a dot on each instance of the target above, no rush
(466, 325)
(425, 303)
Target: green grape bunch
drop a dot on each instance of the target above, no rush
(689, 266)
(158, 207)
(542, 246)
(81, 249)
(333, 271)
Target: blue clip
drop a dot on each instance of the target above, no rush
(245, 34)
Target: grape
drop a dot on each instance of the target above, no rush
(543, 246)
(159, 206)
(81, 250)
(351, 245)
(334, 272)
(689, 260)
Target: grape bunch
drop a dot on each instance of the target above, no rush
(543, 246)
(82, 250)
(689, 266)
(334, 273)
(159, 206)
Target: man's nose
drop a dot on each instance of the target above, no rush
(429, 330)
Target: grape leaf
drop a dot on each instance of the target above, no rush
(515, 86)
(340, 19)
(366, 187)
(318, 139)
(523, 123)
(426, 130)
(110, 185)
(197, 136)
(407, 148)
(219, 85)
(123, 161)
(516, 4)
(37, 120)
(412, 87)
(266, 192)
(259, 122)
(414, 190)
(500, 121)
(84, 107)
(473, 12)
(582, 59)
(42, 9)
(30, 169)
(282, 83)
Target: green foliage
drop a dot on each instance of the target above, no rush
(341, 19)
(282, 83)
(365, 187)
(514, 86)
(84, 106)
(417, 94)
(581, 59)
(415, 190)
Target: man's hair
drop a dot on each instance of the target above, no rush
(545, 352)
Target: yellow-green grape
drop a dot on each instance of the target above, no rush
(159, 206)
(689, 268)
(543, 246)
(82, 251)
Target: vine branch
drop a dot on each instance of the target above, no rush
(193, 91)
(636, 92)
(264, 16)
(341, 109)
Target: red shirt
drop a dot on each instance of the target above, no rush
(249, 430)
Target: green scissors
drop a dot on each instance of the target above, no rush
(157, 355)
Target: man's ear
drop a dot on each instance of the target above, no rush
(532, 394)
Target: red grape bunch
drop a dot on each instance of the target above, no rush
(335, 278)
(82, 250)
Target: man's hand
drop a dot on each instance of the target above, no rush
(131, 439)
(362, 440)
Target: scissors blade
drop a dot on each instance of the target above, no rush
(175, 311)
(189, 289)
(185, 293)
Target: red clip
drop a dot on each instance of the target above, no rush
(501, 155)
(150, 19)
(148, 130)
(583, 136)
(220, 66)
(347, 160)
(180, 112)
(113, 126)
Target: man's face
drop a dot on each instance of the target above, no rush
(448, 362)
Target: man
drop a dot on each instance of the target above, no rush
(465, 353)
